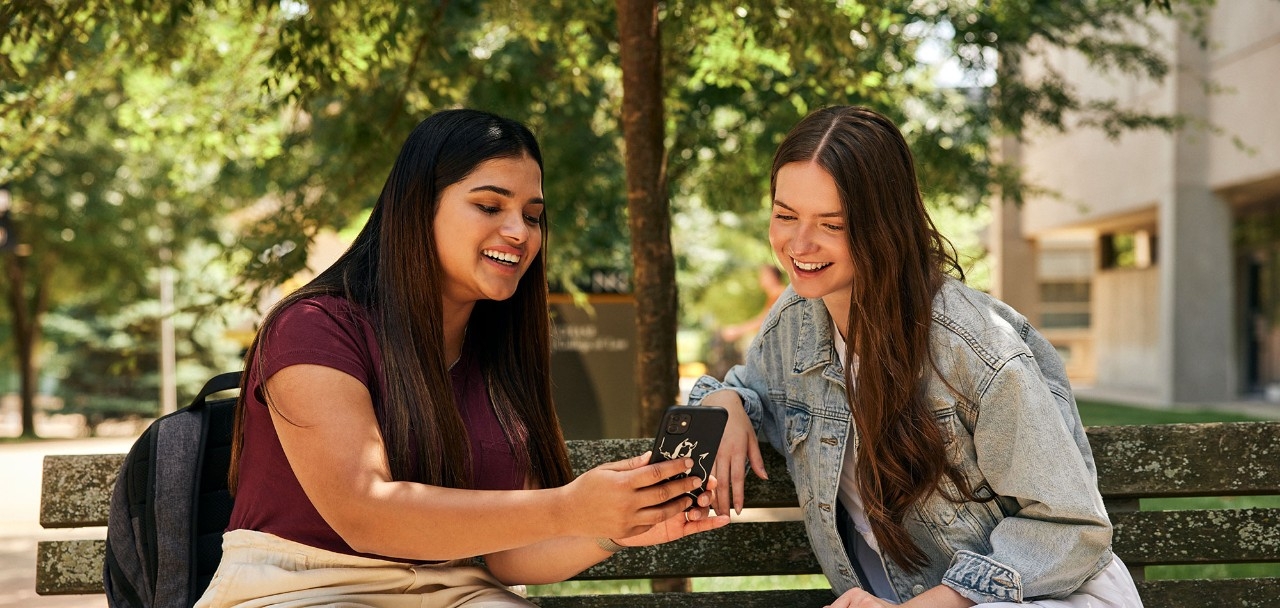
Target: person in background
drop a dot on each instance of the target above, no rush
(772, 284)
(725, 347)
(396, 419)
(935, 445)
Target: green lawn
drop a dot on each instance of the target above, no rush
(1093, 413)
(1101, 413)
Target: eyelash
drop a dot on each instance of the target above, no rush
(789, 218)
(532, 220)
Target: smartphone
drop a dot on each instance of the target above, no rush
(690, 432)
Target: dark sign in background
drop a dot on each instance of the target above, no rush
(592, 365)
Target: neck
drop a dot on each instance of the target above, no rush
(455, 331)
(838, 307)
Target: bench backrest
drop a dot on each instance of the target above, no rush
(1134, 462)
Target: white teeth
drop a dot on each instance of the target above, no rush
(810, 267)
(506, 258)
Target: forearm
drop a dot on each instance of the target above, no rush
(1057, 533)
(417, 521)
(940, 597)
(549, 561)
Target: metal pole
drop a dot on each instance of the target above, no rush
(168, 351)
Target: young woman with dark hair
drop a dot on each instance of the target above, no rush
(396, 421)
(931, 432)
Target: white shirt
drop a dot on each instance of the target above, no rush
(868, 551)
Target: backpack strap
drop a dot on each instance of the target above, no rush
(221, 382)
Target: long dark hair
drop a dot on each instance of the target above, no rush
(900, 261)
(392, 272)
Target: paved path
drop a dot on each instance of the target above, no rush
(20, 466)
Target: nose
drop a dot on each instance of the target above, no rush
(514, 228)
(802, 240)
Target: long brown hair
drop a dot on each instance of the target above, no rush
(392, 272)
(900, 261)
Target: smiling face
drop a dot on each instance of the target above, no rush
(807, 232)
(488, 230)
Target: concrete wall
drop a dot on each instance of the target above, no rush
(1245, 63)
(1092, 176)
(1170, 330)
(1125, 331)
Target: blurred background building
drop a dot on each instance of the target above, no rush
(1153, 261)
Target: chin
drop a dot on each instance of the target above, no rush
(809, 292)
(501, 295)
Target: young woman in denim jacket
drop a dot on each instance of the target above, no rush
(935, 445)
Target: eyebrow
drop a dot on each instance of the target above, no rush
(499, 190)
(788, 208)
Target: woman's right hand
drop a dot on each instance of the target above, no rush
(738, 448)
(627, 497)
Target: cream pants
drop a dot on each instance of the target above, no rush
(260, 569)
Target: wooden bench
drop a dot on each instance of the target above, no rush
(1134, 462)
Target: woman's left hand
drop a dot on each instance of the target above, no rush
(695, 520)
(857, 598)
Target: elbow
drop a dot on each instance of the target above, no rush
(509, 569)
(502, 569)
(361, 537)
(368, 534)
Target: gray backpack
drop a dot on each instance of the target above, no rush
(170, 505)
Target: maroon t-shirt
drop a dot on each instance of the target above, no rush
(330, 331)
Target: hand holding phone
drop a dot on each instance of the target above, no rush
(690, 432)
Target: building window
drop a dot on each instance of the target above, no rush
(1130, 249)
(1064, 304)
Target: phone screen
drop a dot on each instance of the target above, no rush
(690, 432)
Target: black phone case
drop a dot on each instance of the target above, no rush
(698, 439)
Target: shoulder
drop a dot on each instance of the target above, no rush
(974, 322)
(320, 320)
(788, 312)
(322, 310)
(321, 330)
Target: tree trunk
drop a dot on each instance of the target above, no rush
(25, 312)
(649, 210)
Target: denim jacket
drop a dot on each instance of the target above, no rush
(1012, 428)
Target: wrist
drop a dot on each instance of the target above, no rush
(609, 545)
(560, 500)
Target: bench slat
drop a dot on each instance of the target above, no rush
(1145, 538)
(797, 598)
(76, 490)
(66, 567)
(777, 491)
(757, 548)
(1206, 459)
(1209, 459)
(1236, 593)
(1200, 459)
(1141, 539)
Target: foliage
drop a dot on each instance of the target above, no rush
(134, 128)
(120, 130)
(107, 363)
